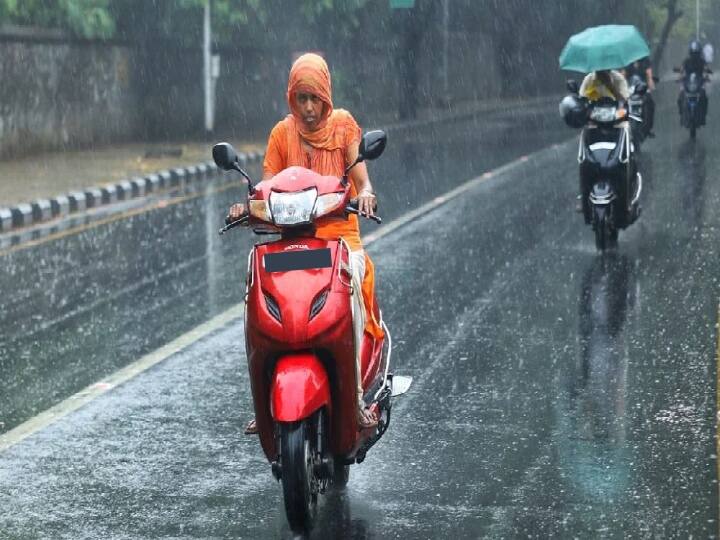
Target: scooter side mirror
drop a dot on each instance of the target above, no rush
(225, 156)
(227, 159)
(572, 86)
(372, 144)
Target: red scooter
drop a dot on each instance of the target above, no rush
(300, 340)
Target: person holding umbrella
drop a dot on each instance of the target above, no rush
(643, 68)
(601, 52)
(604, 83)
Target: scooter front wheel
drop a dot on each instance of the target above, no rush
(341, 474)
(606, 235)
(299, 484)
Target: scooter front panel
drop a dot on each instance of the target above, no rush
(298, 322)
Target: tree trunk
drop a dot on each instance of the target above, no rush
(674, 14)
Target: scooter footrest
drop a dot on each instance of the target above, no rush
(400, 385)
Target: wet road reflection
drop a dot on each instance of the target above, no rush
(335, 519)
(691, 173)
(596, 455)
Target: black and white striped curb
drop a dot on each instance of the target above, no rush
(23, 215)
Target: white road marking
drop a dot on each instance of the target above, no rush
(88, 394)
(74, 402)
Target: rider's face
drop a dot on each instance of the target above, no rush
(310, 107)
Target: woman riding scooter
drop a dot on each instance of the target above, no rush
(326, 140)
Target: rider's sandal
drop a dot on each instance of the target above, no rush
(251, 428)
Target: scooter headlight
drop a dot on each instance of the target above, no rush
(294, 208)
(327, 203)
(604, 114)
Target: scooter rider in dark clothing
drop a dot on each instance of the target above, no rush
(643, 69)
(695, 63)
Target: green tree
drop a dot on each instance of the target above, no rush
(84, 18)
(256, 23)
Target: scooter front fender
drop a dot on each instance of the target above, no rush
(300, 386)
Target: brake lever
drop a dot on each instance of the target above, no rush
(237, 223)
(351, 210)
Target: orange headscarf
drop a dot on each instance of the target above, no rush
(310, 74)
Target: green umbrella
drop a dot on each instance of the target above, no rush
(611, 46)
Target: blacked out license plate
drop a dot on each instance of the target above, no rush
(305, 259)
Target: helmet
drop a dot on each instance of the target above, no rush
(695, 48)
(573, 111)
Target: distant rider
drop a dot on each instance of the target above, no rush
(643, 69)
(695, 63)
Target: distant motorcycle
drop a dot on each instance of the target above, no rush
(690, 101)
(300, 336)
(611, 182)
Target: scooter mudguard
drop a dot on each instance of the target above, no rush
(300, 386)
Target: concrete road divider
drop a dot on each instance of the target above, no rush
(192, 173)
(109, 194)
(124, 190)
(202, 171)
(60, 206)
(93, 197)
(166, 179)
(78, 201)
(42, 210)
(152, 183)
(139, 187)
(179, 177)
(6, 219)
(22, 215)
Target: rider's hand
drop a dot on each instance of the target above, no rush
(366, 202)
(236, 212)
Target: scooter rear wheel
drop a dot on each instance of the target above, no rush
(299, 485)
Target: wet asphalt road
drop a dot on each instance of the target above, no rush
(558, 393)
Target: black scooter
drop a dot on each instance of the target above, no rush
(610, 180)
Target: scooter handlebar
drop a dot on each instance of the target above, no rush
(352, 208)
(232, 224)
